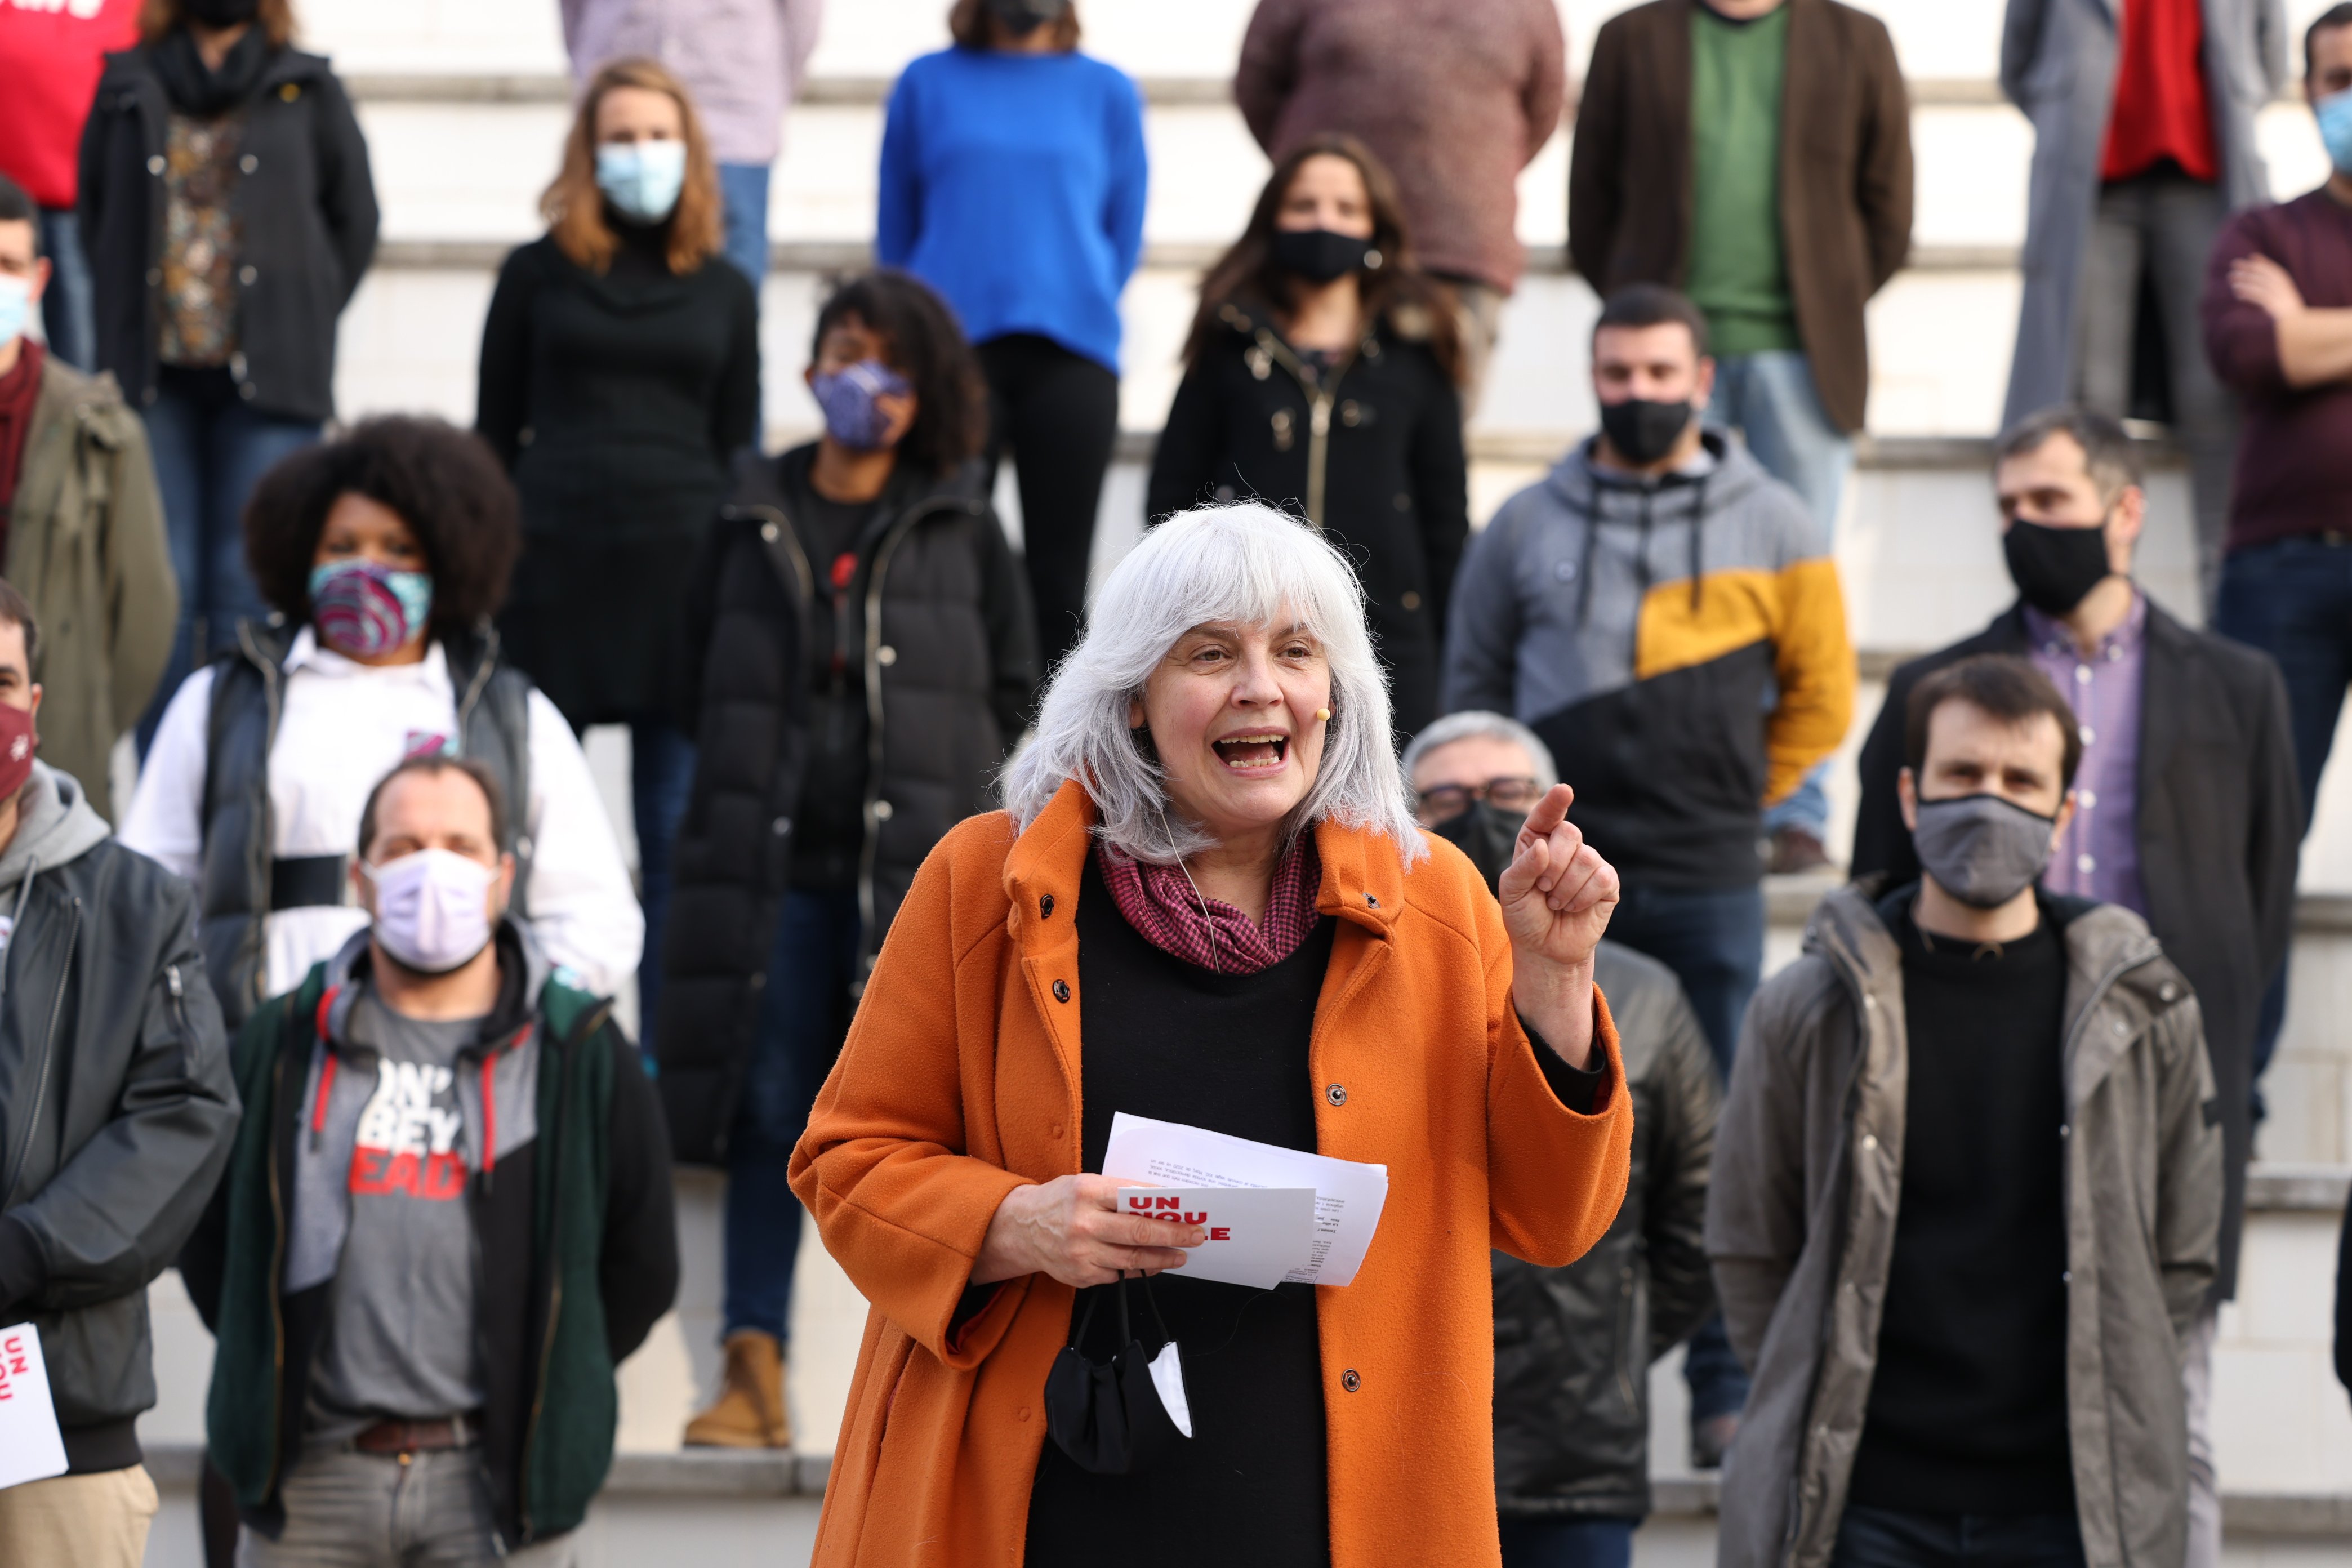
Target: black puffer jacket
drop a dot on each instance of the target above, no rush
(948, 660)
(306, 216)
(1573, 1346)
(1369, 452)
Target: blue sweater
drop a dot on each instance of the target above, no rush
(1014, 184)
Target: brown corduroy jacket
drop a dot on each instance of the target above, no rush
(960, 1082)
(1845, 173)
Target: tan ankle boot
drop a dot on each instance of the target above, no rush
(749, 1410)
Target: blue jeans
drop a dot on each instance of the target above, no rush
(67, 320)
(1568, 1542)
(804, 1012)
(1894, 1538)
(1770, 399)
(661, 778)
(743, 189)
(210, 449)
(2293, 599)
(1713, 939)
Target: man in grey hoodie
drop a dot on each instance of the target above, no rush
(1968, 1190)
(116, 1114)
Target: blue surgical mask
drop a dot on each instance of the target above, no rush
(2335, 115)
(846, 396)
(16, 306)
(642, 178)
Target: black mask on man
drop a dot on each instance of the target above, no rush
(2054, 568)
(220, 13)
(1643, 431)
(1318, 255)
(1022, 17)
(1488, 837)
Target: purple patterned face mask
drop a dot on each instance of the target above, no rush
(847, 397)
(365, 609)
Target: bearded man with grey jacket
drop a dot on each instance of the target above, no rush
(117, 1110)
(1968, 1190)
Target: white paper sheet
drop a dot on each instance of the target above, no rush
(1258, 1236)
(1349, 1195)
(30, 1446)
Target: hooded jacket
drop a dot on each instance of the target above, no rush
(945, 667)
(1573, 1346)
(571, 1211)
(86, 546)
(117, 1107)
(1636, 625)
(1802, 1214)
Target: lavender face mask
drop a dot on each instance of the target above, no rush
(847, 397)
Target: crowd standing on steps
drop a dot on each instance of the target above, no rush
(1368, 817)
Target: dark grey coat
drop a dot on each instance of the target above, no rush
(1800, 1227)
(116, 1109)
(2058, 65)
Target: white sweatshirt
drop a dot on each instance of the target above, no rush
(344, 727)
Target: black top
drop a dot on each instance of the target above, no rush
(617, 401)
(829, 832)
(1171, 1040)
(1968, 1407)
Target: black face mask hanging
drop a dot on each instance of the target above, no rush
(1320, 255)
(2055, 568)
(1118, 1418)
(1643, 431)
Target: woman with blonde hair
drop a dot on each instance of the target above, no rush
(1206, 902)
(228, 213)
(620, 374)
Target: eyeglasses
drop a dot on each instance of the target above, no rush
(1442, 801)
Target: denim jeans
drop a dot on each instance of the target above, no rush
(743, 191)
(349, 1509)
(66, 318)
(1713, 939)
(804, 1012)
(661, 778)
(1568, 1542)
(2293, 599)
(210, 449)
(1770, 399)
(1892, 1538)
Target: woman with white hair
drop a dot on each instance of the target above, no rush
(1206, 902)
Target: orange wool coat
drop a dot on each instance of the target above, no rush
(961, 1081)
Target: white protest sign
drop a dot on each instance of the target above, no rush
(1258, 1236)
(1348, 1195)
(30, 1446)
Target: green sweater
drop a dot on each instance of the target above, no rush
(1739, 268)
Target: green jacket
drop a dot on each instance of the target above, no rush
(86, 545)
(578, 1252)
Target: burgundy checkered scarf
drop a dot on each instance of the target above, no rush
(1160, 902)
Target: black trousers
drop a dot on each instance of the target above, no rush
(1057, 414)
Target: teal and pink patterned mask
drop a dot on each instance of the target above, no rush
(364, 609)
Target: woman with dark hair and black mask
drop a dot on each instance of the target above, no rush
(1323, 375)
(228, 213)
(859, 651)
(385, 552)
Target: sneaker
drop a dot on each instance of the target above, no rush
(1795, 851)
(1711, 1440)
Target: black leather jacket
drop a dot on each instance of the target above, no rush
(1573, 1346)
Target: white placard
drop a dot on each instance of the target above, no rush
(30, 1446)
(1258, 1237)
(1349, 1195)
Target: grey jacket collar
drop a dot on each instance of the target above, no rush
(55, 825)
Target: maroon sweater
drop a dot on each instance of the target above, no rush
(2295, 449)
(1455, 96)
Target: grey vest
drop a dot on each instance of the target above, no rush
(241, 880)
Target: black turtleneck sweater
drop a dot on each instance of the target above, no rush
(616, 399)
(1968, 1406)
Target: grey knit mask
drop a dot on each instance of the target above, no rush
(1980, 848)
